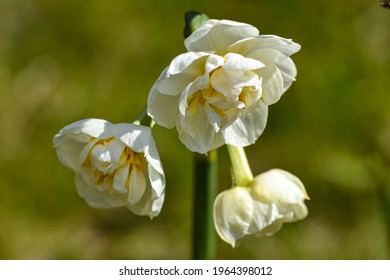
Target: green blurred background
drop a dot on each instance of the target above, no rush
(61, 61)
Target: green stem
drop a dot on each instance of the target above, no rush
(241, 171)
(204, 194)
(144, 119)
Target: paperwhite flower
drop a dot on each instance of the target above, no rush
(218, 92)
(115, 164)
(260, 209)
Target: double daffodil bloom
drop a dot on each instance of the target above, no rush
(219, 91)
(259, 206)
(116, 165)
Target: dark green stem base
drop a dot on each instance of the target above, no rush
(205, 189)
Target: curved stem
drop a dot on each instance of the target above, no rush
(204, 194)
(241, 171)
(144, 119)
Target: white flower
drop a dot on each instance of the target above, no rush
(218, 92)
(115, 164)
(260, 209)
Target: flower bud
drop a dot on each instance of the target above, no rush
(260, 209)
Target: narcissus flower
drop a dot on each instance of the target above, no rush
(259, 209)
(116, 165)
(219, 91)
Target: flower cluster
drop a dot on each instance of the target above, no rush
(216, 93)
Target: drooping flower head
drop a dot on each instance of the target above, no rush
(260, 209)
(218, 92)
(116, 165)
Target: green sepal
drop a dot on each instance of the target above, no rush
(193, 20)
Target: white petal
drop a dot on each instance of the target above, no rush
(204, 139)
(194, 129)
(184, 69)
(107, 157)
(217, 35)
(279, 186)
(263, 42)
(247, 128)
(164, 109)
(136, 137)
(271, 229)
(139, 139)
(116, 199)
(157, 205)
(263, 215)
(213, 62)
(190, 63)
(91, 195)
(71, 139)
(87, 175)
(137, 185)
(272, 84)
(232, 213)
(214, 118)
(68, 150)
(288, 70)
(86, 150)
(300, 212)
(187, 94)
(153, 158)
(83, 130)
(120, 178)
(157, 181)
(284, 64)
(237, 62)
(231, 83)
(148, 206)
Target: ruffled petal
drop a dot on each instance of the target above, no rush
(288, 70)
(218, 35)
(137, 185)
(237, 62)
(71, 140)
(263, 215)
(198, 135)
(272, 84)
(189, 63)
(232, 213)
(163, 109)
(136, 137)
(68, 150)
(279, 186)
(91, 195)
(120, 179)
(146, 205)
(153, 158)
(247, 128)
(86, 129)
(284, 47)
(115, 199)
(157, 181)
(183, 69)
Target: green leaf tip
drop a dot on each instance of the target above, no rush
(193, 20)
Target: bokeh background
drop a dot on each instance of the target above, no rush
(62, 61)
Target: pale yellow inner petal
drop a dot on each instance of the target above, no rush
(113, 167)
(226, 92)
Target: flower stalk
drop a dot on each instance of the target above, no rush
(205, 189)
(240, 169)
(144, 119)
